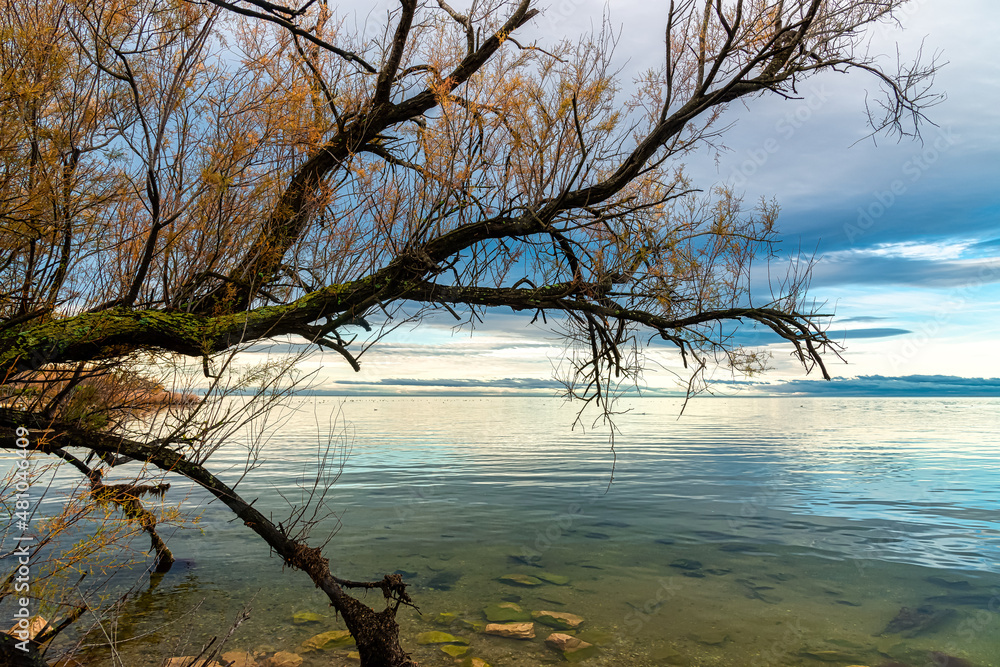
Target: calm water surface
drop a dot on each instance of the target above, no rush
(791, 531)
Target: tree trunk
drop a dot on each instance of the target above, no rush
(376, 634)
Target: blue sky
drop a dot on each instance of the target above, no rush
(907, 233)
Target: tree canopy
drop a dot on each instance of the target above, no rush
(180, 179)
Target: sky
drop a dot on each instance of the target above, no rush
(906, 233)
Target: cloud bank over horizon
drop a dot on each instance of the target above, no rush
(873, 386)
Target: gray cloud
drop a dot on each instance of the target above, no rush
(768, 337)
(461, 383)
(879, 385)
(864, 269)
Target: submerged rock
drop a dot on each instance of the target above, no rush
(914, 622)
(475, 662)
(438, 637)
(940, 659)
(573, 649)
(505, 612)
(668, 655)
(455, 651)
(511, 630)
(564, 642)
(303, 617)
(949, 582)
(443, 581)
(475, 626)
(686, 564)
(530, 561)
(754, 591)
(557, 619)
(239, 659)
(829, 655)
(552, 601)
(711, 637)
(186, 660)
(521, 580)
(327, 640)
(285, 659)
(557, 579)
(596, 636)
(446, 617)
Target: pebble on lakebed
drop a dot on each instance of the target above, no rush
(573, 649)
(284, 659)
(326, 640)
(455, 651)
(506, 612)
(557, 619)
(511, 630)
(474, 662)
(438, 637)
(303, 617)
(238, 659)
(521, 580)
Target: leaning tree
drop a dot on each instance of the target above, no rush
(180, 179)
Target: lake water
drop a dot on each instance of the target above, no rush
(751, 531)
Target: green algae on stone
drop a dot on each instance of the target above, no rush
(438, 637)
(505, 612)
(593, 636)
(455, 651)
(475, 626)
(521, 580)
(557, 619)
(474, 662)
(303, 617)
(557, 579)
(327, 640)
(581, 654)
(572, 649)
(446, 617)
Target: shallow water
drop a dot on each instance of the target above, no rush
(786, 531)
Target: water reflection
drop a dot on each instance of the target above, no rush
(751, 531)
